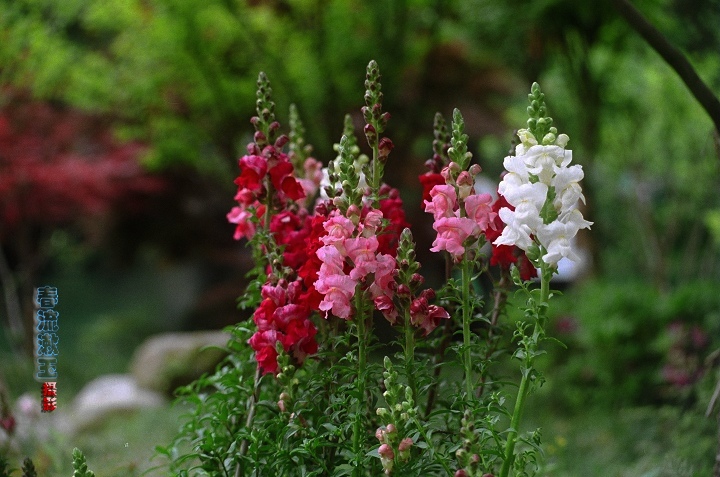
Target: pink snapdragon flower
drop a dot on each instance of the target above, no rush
(338, 229)
(452, 232)
(361, 251)
(252, 170)
(338, 290)
(332, 260)
(241, 217)
(479, 208)
(443, 201)
(372, 222)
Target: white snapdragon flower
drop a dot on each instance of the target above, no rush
(543, 187)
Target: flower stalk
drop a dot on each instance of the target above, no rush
(530, 353)
(466, 317)
(361, 407)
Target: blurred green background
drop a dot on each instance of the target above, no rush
(121, 122)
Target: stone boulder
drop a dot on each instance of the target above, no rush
(103, 397)
(168, 360)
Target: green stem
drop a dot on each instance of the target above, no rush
(252, 404)
(375, 183)
(514, 424)
(410, 354)
(362, 358)
(467, 314)
(526, 373)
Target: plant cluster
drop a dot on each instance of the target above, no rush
(80, 468)
(312, 394)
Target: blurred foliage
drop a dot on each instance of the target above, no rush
(629, 345)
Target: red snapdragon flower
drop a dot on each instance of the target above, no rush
(282, 317)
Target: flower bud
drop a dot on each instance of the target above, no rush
(417, 279)
(386, 451)
(475, 169)
(281, 141)
(428, 294)
(370, 134)
(465, 184)
(353, 212)
(562, 140)
(259, 137)
(405, 444)
(391, 428)
(403, 290)
(548, 139)
(461, 473)
(384, 148)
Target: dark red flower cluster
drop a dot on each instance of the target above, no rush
(505, 255)
(282, 317)
(424, 315)
(255, 169)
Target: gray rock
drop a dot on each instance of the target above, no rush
(103, 397)
(166, 361)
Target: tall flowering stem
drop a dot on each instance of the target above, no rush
(361, 404)
(542, 218)
(376, 121)
(528, 373)
(460, 156)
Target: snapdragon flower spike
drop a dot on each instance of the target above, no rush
(350, 257)
(461, 214)
(441, 143)
(376, 122)
(282, 317)
(343, 180)
(267, 177)
(395, 445)
(543, 190)
(407, 282)
(308, 170)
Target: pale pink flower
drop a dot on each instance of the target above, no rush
(373, 221)
(452, 232)
(479, 208)
(338, 290)
(361, 251)
(333, 260)
(338, 229)
(443, 201)
(385, 272)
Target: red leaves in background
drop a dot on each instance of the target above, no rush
(57, 164)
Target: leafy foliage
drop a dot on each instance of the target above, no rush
(79, 465)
